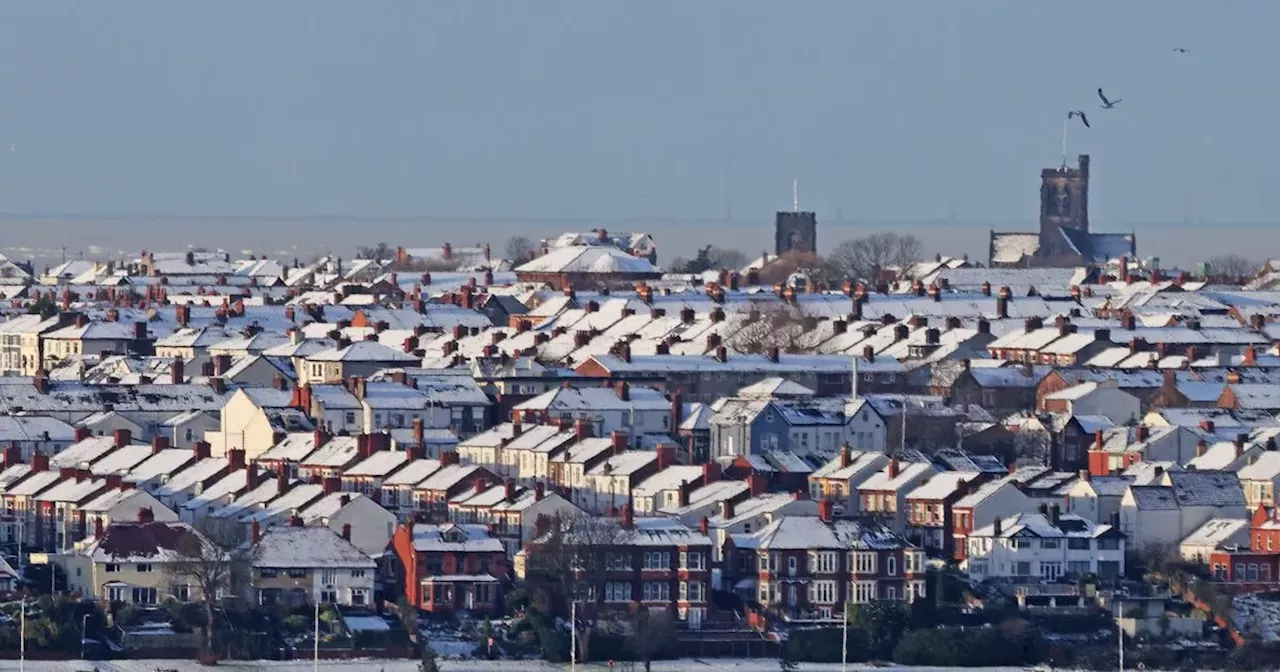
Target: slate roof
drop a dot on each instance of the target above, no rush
(1206, 488)
(287, 546)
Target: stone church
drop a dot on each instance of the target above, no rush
(795, 231)
(1064, 239)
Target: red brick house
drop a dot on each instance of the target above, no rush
(450, 480)
(451, 568)
(804, 566)
(929, 510)
(657, 562)
(1257, 567)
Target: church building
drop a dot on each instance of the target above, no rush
(1064, 239)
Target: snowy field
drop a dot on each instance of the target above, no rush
(711, 665)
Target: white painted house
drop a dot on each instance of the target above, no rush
(1035, 546)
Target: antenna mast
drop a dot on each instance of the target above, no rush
(795, 195)
(1064, 141)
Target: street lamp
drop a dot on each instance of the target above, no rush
(22, 605)
(84, 633)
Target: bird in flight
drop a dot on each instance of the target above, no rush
(1107, 104)
(1180, 50)
(1078, 113)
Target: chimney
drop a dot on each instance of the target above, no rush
(628, 517)
(39, 462)
(123, 437)
(704, 526)
(666, 455)
(97, 527)
(82, 433)
(1250, 356)
(203, 450)
(282, 481)
(726, 509)
(846, 456)
(177, 372)
(582, 429)
(235, 459)
(722, 355)
(331, 485)
(448, 458)
(893, 467)
(757, 485)
(159, 442)
(624, 390)
(677, 410)
(1002, 307)
(509, 490)
(146, 515)
(295, 520)
(139, 331)
(1201, 447)
(1097, 439)
(1083, 474)
(771, 353)
(618, 440)
(995, 526)
(1207, 426)
(218, 385)
(826, 510)
(346, 531)
(1141, 432)
(710, 473)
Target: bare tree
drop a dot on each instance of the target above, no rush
(1031, 447)
(771, 325)
(1232, 266)
(380, 252)
(868, 257)
(781, 268)
(520, 249)
(712, 258)
(206, 563)
(568, 565)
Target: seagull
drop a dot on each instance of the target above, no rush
(1107, 104)
(1078, 113)
(1180, 50)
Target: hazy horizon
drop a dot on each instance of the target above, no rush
(1174, 243)
(458, 113)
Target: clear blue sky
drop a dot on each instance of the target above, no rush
(886, 110)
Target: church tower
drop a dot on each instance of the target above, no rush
(795, 231)
(1064, 204)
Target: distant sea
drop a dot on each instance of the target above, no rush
(42, 238)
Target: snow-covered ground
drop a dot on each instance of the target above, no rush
(709, 665)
